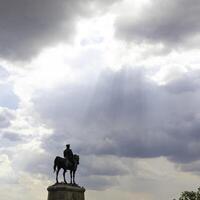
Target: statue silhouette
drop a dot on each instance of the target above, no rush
(69, 162)
(68, 155)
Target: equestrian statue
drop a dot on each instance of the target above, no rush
(69, 162)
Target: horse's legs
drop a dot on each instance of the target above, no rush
(58, 169)
(64, 171)
(74, 177)
(71, 176)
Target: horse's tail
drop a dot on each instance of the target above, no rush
(54, 167)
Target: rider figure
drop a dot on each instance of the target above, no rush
(68, 155)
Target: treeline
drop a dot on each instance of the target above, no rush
(190, 195)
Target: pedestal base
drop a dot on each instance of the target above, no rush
(65, 192)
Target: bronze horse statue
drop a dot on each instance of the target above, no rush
(61, 163)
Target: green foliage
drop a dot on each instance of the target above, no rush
(190, 195)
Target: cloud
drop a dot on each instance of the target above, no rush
(93, 172)
(6, 116)
(36, 163)
(27, 27)
(102, 166)
(122, 116)
(98, 183)
(11, 136)
(4, 74)
(125, 114)
(191, 167)
(6, 173)
(8, 98)
(10, 140)
(174, 24)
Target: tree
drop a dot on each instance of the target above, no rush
(190, 195)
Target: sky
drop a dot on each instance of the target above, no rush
(119, 80)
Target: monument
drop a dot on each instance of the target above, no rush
(64, 190)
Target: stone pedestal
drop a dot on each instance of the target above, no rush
(65, 192)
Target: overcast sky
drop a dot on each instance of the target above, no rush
(117, 79)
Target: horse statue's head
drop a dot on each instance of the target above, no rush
(76, 158)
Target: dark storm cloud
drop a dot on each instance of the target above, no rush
(125, 115)
(102, 166)
(26, 27)
(184, 84)
(174, 23)
(191, 167)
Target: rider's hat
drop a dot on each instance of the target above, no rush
(67, 145)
